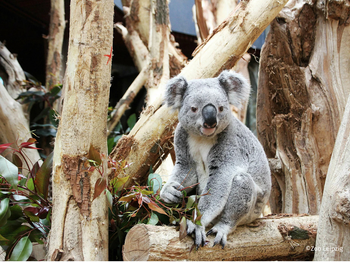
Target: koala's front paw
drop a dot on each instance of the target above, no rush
(198, 232)
(221, 235)
(170, 192)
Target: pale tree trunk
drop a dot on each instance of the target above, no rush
(333, 238)
(209, 14)
(79, 228)
(15, 129)
(13, 73)
(55, 41)
(303, 87)
(14, 120)
(276, 238)
(158, 46)
(148, 141)
(152, 48)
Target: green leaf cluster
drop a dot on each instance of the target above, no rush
(25, 211)
(142, 204)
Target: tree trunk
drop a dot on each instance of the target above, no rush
(303, 86)
(14, 128)
(79, 228)
(333, 239)
(264, 239)
(55, 40)
(14, 120)
(13, 74)
(148, 141)
(152, 48)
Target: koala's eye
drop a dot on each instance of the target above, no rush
(221, 108)
(194, 109)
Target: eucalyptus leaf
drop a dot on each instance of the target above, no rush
(5, 212)
(153, 220)
(22, 250)
(9, 171)
(155, 181)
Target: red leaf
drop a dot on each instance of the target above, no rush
(33, 210)
(3, 147)
(126, 198)
(100, 185)
(153, 206)
(43, 212)
(16, 160)
(28, 143)
(94, 155)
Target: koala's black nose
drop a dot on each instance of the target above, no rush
(209, 116)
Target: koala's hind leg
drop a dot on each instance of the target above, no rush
(239, 208)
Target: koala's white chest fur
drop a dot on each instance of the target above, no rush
(199, 148)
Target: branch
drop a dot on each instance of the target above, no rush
(124, 102)
(272, 238)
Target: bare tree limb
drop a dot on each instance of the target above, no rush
(264, 239)
(129, 95)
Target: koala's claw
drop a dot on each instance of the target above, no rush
(211, 231)
(198, 232)
(221, 237)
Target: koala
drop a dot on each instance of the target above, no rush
(213, 148)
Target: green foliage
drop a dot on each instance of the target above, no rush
(45, 122)
(142, 204)
(25, 211)
(118, 132)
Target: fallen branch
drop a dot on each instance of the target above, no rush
(272, 238)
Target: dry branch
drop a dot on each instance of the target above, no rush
(149, 139)
(14, 73)
(264, 239)
(128, 97)
(14, 126)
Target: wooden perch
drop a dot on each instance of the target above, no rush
(275, 237)
(149, 139)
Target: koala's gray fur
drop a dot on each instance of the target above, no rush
(216, 150)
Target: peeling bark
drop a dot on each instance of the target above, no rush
(270, 238)
(303, 86)
(13, 74)
(55, 41)
(14, 120)
(334, 237)
(79, 228)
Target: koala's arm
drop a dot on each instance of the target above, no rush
(184, 172)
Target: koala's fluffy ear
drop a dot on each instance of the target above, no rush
(175, 91)
(236, 87)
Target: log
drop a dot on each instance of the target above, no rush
(273, 238)
(148, 141)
